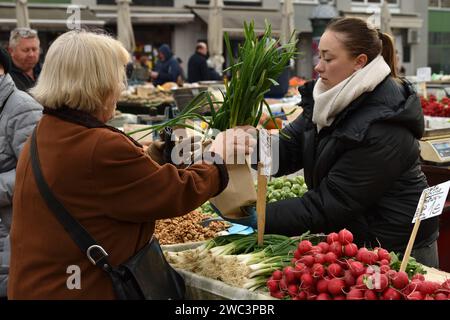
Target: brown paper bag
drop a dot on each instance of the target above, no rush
(240, 192)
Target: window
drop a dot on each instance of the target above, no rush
(444, 4)
(366, 2)
(150, 3)
(235, 2)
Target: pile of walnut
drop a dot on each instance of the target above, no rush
(187, 228)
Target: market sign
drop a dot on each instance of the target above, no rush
(433, 202)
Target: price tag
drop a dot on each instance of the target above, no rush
(434, 201)
(265, 151)
(423, 74)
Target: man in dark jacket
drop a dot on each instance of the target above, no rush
(197, 65)
(24, 51)
(363, 172)
(167, 68)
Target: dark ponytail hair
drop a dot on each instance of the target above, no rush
(360, 38)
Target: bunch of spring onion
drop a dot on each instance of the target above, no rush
(260, 61)
(238, 260)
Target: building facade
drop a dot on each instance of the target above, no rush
(181, 23)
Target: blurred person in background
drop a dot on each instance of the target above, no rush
(24, 51)
(19, 113)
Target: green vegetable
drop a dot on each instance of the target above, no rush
(412, 268)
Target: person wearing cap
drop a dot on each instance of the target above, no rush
(24, 51)
(19, 113)
(167, 69)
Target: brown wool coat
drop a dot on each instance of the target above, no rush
(111, 187)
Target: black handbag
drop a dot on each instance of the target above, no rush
(146, 275)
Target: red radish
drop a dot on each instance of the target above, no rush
(323, 296)
(272, 285)
(297, 254)
(383, 254)
(384, 262)
(316, 250)
(356, 268)
(330, 257)
(370, 295)
(336, 286)
(411, 287)
(418, 276)
(340, 298)
(318, 270)
(293, 290)
(289, 275)
(277, 275)
(302, 295)
(440, 296)
(416, 295)
(391, 294)
(278, 295)
(446, 285)
(385, 269)
(283, 285)
(332, 237)
(355, 294)
(360, 251)
(308, 261)
(324, 246)
(368, 257)
(304, 246)
(391, 274)
(299, 269)
(380, 282)
(400, 280)
(319, 258)
(349, 279)
(428, 287)
(428, 297)
(335, 270)
(322, 286)
(350, 250)
(361, 279)
(336, 248)
(294, 261)
(306, 281)
(345, 236)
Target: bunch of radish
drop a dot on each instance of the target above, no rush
(338, 270)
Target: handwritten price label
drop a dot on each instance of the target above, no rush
(434, 201)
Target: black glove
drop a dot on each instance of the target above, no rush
(250, 220)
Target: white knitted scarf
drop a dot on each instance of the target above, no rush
(329, 103)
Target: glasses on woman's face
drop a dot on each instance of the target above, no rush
(24, 32)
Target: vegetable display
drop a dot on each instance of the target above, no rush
(338, 270)
(237, 260)
(188, 228)
(285, 188)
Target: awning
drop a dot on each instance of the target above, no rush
(55, 16)
(398, 21)
(233, 19)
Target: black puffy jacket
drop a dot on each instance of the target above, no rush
(363, 172)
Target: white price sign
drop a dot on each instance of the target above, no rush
(434, 201)
(423, 74)
(265, 151)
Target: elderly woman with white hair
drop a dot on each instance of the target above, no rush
(102, 177)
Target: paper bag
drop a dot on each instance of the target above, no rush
(240, 192)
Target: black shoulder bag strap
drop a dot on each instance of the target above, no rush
(95, 253)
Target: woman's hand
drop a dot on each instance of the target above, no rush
(234, 145)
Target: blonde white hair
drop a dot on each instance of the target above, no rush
(82, 70)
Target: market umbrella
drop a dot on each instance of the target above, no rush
(215, 34)
(385, 25)
(23, 20)
(124, 27)
(287, 21)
